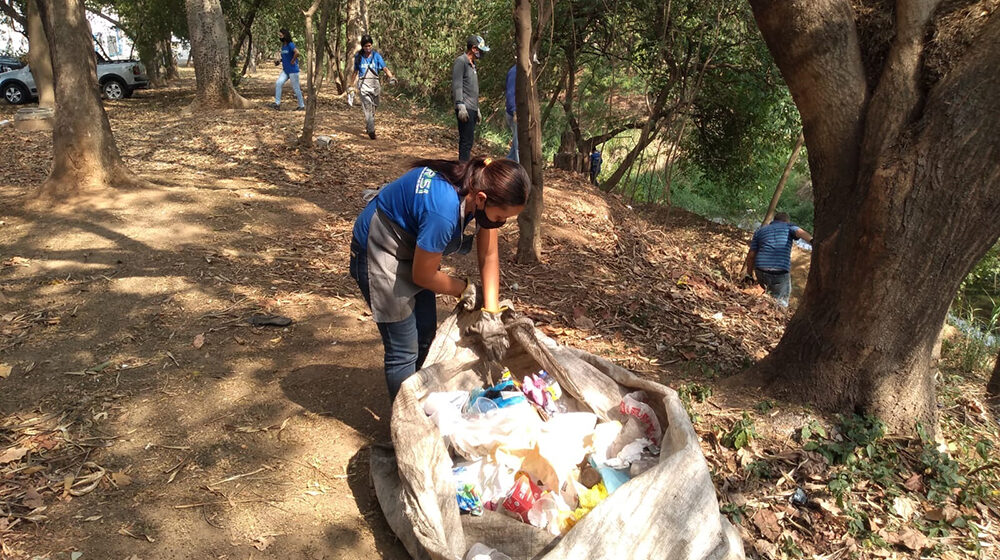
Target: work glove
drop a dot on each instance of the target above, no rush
(463, 114)
(471, 298)
(392, 81)
(479, 117)
(489, 331)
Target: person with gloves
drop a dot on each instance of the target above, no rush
(438, 207)
(465, 92)
(367, 65)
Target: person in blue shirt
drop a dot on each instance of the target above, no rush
(367, 65)
(595, 165)
(770, 256)
(510, 93)
(289, 70)
(438, 207)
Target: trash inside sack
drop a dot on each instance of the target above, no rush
(520, 448)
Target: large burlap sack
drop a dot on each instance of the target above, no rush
(668, 512)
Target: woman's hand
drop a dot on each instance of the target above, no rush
(426, 274)
(489, 267)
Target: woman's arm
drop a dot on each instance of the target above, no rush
(489, 267)
(295, 55)
(426, 274)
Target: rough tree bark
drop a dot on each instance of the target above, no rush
(529, 131)
(39, 57)
(314, 66)
(993, 386)
(905, 167)
(210, 49)
(85, 156)
(773, 206)
(352, 33)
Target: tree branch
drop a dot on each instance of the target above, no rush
(7, 7)
(898, 96)
(112, 21)
(815, 45)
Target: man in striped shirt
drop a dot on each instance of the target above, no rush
(770, 255)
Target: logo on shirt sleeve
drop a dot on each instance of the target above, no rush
(424, 181)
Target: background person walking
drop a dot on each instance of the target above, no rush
(289, 70)
(465, 91)
(510, 96)
(367, 65)
(770, 256)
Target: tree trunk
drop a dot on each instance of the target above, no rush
(993, 386)
(84, 154)
(896, 236)
(553, 99)
(314, 66)
(39, 58)
(210, 49)
(169, 61)
(646, 136)
(529, 133)
(352, 34)
(773, 206)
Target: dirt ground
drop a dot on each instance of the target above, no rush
(153, 421)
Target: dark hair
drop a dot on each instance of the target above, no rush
(366, 40)
(503, 180)
(286, 33)
(782, 217)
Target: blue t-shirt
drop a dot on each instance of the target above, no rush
(424, 204)
(773, 244)
(375, 63)
(595, 161)
(511, 90)
(287, 52)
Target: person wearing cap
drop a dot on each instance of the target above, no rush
(367, 65)
(465, 91)
(438, 207)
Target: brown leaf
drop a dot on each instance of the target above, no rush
(199, 341)
(948, 513)
(12, 454)
(33, 499)
(4, 371)
(121, 479)
(910, 538)
(915, 483)
(767, 523)
(262, 542)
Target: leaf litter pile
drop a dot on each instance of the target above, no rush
(651, 288)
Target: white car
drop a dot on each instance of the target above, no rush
(117, 80)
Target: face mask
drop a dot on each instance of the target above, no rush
(483, 221)
(478, 54)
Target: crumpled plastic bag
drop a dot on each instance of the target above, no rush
(634, 404)
(480, 551)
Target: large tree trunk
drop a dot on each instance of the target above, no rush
(167, 59)
(210, 49)
(352, 34)
(529, 130)
(993, 386)
(905, 170)
(39, 58)
(85, 156)
(773, 206)
(314, 66)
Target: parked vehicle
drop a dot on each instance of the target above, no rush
(117, 79)
(8, 63)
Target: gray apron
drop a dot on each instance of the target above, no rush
(390, 264)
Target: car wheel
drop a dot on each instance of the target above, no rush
(15, 93)
(113, 89)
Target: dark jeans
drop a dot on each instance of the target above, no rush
(778, 284)
(406, 342)
(466, 135)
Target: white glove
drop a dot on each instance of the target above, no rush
(463, 114)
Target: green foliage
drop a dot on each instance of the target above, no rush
(940, 471)
(859, 440)
(735, 513)
(694, 392)
(759, 470)
(741, 434)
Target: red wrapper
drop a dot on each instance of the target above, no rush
(521, 497)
